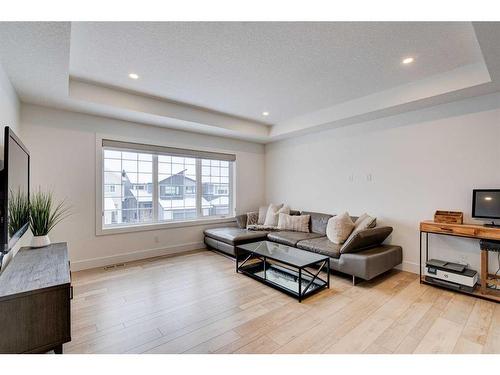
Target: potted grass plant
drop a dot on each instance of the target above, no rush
(45, 214)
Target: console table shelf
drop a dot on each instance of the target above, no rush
(474, 231)
(35, 294)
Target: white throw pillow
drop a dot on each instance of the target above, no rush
(339, 228)
(272, 214)
(262, 215)
(365, 221)
(296, 223)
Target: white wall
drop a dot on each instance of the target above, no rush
(400, 169)
(62, 147)
(9, 106)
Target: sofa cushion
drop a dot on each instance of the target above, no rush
(294, 223)
(318, 222)
(234, 236)
(365, 239)
(290, 238)
(321, 245)
(369, 263)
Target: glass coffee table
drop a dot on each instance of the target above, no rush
(283, 267)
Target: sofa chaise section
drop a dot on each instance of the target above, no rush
(227, 238)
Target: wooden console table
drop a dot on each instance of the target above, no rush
(35, 293)
(474, 231)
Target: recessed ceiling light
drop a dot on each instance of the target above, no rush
(134, 76)
(265, 113)
(408, 60)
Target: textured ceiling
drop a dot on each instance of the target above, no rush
(285, 68)
(217, 78)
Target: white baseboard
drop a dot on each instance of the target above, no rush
(409, 267)
(134, 255)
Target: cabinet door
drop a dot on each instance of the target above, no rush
(35, 322)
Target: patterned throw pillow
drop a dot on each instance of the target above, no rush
(296, 223)
(252, 218)
(339, 228)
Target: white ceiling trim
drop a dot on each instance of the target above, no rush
(174, 114)
(457, 79)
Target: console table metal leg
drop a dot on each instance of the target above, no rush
(236, 258)
(58, 349)
(420, 258)
(300, 284)
(328, 274)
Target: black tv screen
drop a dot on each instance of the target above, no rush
(14, 190)
(486, 203)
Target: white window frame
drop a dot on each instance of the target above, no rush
(126, 228)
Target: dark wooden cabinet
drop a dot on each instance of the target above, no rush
(35, 294)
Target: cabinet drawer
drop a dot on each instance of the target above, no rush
(456, 230)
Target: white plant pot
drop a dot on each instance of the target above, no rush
(40, 241)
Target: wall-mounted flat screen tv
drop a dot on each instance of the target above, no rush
(14, 191)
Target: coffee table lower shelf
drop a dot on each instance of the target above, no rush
(294, 283)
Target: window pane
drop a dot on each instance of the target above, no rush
(129, 155)
(176, 159)
(146, 157)
(112, 165)
(177, 168)
(215, 194)
(164, 159)
(112, 154)
(112, 178)
(145, 167)
(164, 168)
(129, 166)
(191, 170)
(127, 194)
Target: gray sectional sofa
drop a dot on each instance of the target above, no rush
(363, 256)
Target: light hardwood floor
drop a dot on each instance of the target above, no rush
(196, 303)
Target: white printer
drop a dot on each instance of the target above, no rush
(454, 275)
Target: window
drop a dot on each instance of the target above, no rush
(153, 185)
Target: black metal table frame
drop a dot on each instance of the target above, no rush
(294, 268)
(423, 281)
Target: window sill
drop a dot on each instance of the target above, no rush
(159, 226)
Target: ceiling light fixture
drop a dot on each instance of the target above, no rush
(408, 60)
(133, 76)
(265, 113)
